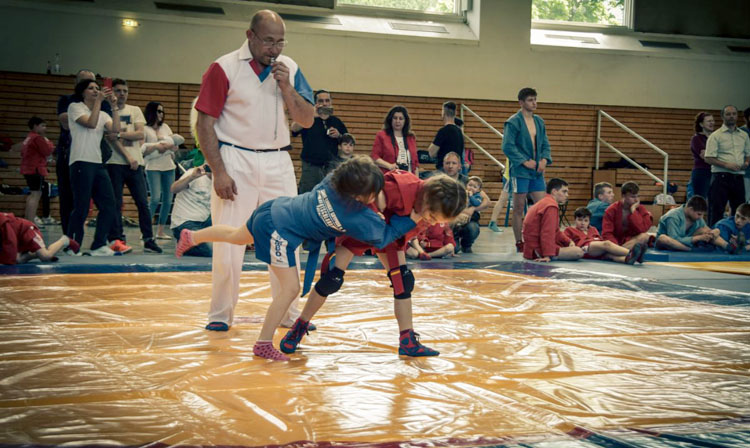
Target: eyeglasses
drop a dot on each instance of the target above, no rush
(268, 43)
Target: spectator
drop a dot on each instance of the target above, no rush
(449, 138)
(158, 153)
(126, 167)
(728, 152)
(435, 241)
(603, 197)
(468, 159)
(503, 200)
(319, 142)
(737, 229)
(247, 145)
(746, 114)
(626, 222)
(683, 229)
(700, 177)
(62, 166)
(543, 240)
(466, 225)
(452, 167)
(22, 241)
(345, 150)
(192, 206)
(395, 146)
(594, 247)
(526, 145)
(36, 148)
(88, 177)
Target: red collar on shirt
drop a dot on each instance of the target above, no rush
(256, 67)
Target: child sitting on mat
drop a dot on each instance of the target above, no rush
(737, 230)
(683, 229)
(543, 240)
(336, 206)
(594, 247)
(22, 241)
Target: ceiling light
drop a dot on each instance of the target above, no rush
(130, 23)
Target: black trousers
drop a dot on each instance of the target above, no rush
(90, 180)
(724, 187)
(121, 175)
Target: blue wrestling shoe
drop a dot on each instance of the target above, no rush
(409, 345)
(294, 336)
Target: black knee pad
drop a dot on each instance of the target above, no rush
(330, 282)
(407, 278)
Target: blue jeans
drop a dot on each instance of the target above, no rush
(159, 183)
(201, 250)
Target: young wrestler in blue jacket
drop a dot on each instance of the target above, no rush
(336, 206)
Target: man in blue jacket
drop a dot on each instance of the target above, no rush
(526, 146)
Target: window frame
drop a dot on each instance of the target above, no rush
(404, 14)
(563, 25)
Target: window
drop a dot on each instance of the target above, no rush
(448, 7)
(600, 12)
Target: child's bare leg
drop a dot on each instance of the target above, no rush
(638, 239)
(519, 203)
(599, 248)
(501, 202)
(444, 251)
(222, 233)
(668, 243)
(32, 204)
(289, 280)
(569, 253)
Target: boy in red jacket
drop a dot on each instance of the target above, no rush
(36, 148)
(543, 240)
(594, 247)
(22, 241)
(434, 242)
(626, 222)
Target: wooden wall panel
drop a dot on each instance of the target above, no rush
(571, 129)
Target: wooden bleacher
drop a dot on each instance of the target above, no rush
(571, 129)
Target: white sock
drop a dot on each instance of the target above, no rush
(66, 241)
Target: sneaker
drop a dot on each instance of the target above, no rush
(519, 246)
(49, 221)
(120, 246)
(103, 251)
(409, 345)
(467, 250)
(493, 226)
(151, 246)
(163, 237)
(633, 255)
(644, 249)
(91, 222)
(185, 242)
(69, 252)
(38, 221)
(294, 336)
(129, 222)
(266, 350)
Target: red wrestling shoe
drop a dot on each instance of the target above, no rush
(519, 246)
(409, 345)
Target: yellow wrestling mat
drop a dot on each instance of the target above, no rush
(123, 359)
(727, 267)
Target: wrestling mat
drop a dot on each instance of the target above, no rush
(122, 359)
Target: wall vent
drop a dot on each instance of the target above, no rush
(326, 20)
(189, 8)
(400, 26)
(662, 44)
(738, 49)
(581, 39)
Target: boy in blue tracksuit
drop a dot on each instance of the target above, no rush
(737, 229)
(336, 206)
(526, 145)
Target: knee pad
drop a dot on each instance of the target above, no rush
(330, 282)
(407, 278)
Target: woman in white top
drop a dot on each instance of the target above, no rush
(88, 175)
(158, 153)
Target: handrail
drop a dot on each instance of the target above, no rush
(599, 140)
(471, 140)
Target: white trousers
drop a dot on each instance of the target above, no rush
(259, 177)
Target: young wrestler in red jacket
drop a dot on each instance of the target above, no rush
(438, 199)
(436, 241)
(543, 240)
(626, 222)
(22, 241)
(587, 238)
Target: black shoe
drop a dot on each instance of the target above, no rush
(151, 246)
(467, 250)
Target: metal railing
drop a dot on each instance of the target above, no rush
(471, 140)
(599, 140)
